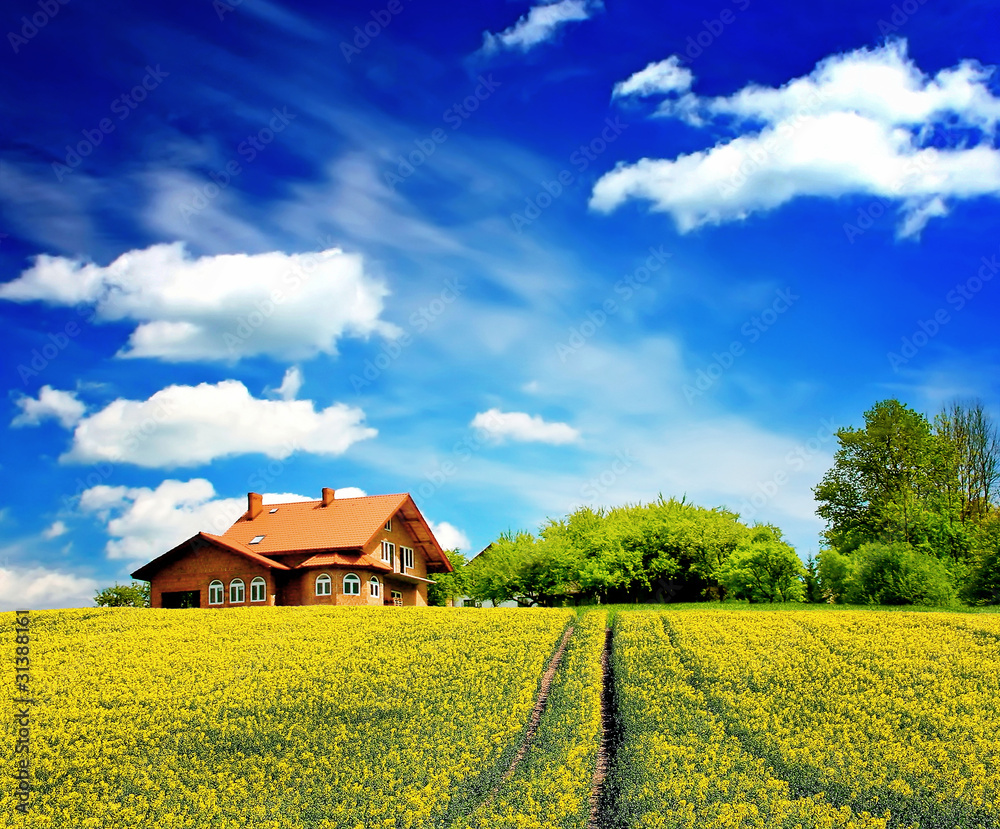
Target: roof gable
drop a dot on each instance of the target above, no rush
(147, 571)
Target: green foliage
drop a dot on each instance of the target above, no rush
(764, 569)
(124, 595)
(664, 548)
(897, 574)
(983, 584)
(834, 571)
(903, 480)
(449, 585)
(811, 582)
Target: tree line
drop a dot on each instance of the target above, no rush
(911, 511)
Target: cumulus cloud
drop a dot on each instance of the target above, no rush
(41, 589)
(539, 25)
(660, 78)
(449, 536)
(50, 404)
(868, 122)
(223, 307)
(54, 530)
(191, 425)
(520, 426)
(144, 523)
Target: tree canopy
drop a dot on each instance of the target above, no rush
(910, 500)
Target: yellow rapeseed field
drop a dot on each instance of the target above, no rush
(381, 718)
(273, 718)
(806, 719)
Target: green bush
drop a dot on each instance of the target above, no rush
(897, 574)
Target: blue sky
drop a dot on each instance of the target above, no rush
(509, 258)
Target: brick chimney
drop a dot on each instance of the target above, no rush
(255, 505)
(328, 496)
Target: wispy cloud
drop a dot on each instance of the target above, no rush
(539, 25)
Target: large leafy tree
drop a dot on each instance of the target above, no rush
(882, 480)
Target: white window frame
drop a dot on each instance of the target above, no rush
(355, 583)
(406, 554)
(216, 592)
(388, 551)
(326, 582)
(256, 539)
(388, 526)
(237, 587)
(374, 587)
(258, 586)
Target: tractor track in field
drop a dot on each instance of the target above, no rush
(599, 797)
(536, 712)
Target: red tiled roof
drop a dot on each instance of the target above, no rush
(344, 560)
(343, 524)
(147, 570)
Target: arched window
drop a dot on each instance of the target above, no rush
(323, 585)
(216, 590)
(374, 587)
(258, 590)
(237, 591)
(352, 585)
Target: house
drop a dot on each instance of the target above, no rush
(373, 550)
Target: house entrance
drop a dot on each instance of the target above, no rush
(181, 598)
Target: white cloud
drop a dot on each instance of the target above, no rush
(449, 536)
(662, 78)
(520, 426)
(860, 123)
(191, 425)
(221, 307)
(144, 523)
(56, 529)
(291, 383)
(349, 492)
(539, 25)
(51, 403)
(37, 588)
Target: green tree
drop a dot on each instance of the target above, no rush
(764, 569)
(811, 583)
(135, 594)
(834, 571)
(983, 585)
(880, 480)
(449, 585)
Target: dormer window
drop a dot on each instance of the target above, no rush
(258, 538)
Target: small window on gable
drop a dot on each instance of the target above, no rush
(256, 539)
(388, 526)
(323, 585)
